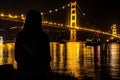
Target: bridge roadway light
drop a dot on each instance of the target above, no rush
(22, 17)
(46, 22)
(58, 24)
(15, 16)
(2, 14)
(9, 15)
(61, 24)
(50, 23)
(77, 28)
(54, 23)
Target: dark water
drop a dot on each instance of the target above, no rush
(74, 58)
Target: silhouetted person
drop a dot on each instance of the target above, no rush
(32, 50)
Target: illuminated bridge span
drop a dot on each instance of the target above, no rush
(69, 16)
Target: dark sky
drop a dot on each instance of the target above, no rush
(98, 12)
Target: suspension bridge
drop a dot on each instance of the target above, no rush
(68, 17)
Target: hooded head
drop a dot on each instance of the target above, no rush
(33, 22)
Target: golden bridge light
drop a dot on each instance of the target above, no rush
(9, 15)
(46, 22)
(58, 24)
(71, 26)
(54, 23)
(23, 18)
(2, 14)
(15, 16)
(50, 23)
(76, 27)
(61, 24)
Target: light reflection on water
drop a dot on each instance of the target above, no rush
(75, 58)
(114, 60)
(72, 58)
(86, 61)
(7, 54)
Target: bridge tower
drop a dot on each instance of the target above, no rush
(114, 30)
(73, 22)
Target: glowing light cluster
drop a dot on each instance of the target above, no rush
(22, 17)
(52, 23)
(55, 10)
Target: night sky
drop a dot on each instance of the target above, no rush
(102, 13)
